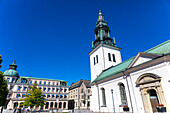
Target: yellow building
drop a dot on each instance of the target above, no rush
(80, 92)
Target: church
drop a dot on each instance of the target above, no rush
(139, 84)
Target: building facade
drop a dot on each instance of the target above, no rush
(52, 90)
(140, 84)
(80, 92)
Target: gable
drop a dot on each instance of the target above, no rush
(141, 60)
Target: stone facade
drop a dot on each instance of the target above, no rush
(80, 92)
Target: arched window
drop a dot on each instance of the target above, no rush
(123, 94)
(103, 97)
(82, 91)
(64, 105)
(60, 104)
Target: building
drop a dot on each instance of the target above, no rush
(52, 89)
(80, 92)
(139, 84)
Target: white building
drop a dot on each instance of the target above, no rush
(140, 83)
(52, 90)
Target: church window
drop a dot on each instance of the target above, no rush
(103, 97)
(123, 94)
(114, 60)
(109, 57)
(96, 58)
(94, 61)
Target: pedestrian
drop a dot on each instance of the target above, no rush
(14, 110)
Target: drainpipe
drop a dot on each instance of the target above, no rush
(98, 97)
(129, 91)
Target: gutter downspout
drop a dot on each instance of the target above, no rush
(129, 91)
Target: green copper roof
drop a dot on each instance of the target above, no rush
(19, 79)
(11, 72)
(163, 48)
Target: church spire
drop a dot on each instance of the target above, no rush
(102, 31)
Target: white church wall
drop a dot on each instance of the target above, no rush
(97, 68)
(117, 54)
(160, 70)
(112, 84)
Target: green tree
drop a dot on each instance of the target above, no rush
(34, 97)
(3, 90)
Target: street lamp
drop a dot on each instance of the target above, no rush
(113, 100)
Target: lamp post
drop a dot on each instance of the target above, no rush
(113, 100)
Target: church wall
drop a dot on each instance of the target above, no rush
(108, 63)
(160, 70)
(98, 67)
(112, 84)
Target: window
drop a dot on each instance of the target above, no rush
(96, 58)
(9, 95)
(13, 80)
(23, 95)
(65, 96)
(19, 88)
(8, 79)
(65, 90)
(53, 96)
(44, 89)
(57, 90)
(49, 89)
(35, 82)
(81, 90)
(25, 88)
(44, 82)
(88, 90)
(103, 97)
(61, 96)
(109, 57)
(18, 95)
(114, 60)
(48, 95)
(23, 80)
(57, 96)
(123, 93)
(57, 84)
(11, 87)
(31, 82)
(48, 83)
(53, 89)
(53, 83)
(94, 61)
(40, 82)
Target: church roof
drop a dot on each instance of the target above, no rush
(161, 49)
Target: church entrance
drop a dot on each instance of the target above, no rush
(151, 92)
(153, 99)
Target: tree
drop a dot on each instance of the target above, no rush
(3, 90)
(34, 97)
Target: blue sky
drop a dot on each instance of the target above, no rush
(52, 38)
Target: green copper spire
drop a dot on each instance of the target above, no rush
(114, 41)
(102, 31)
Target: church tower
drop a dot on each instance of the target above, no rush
(104, 53)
